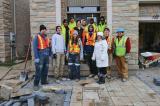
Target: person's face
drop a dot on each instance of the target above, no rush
(78, 24)
(106, 33)
(91, 21)
(72, 20)
(74, 36)
(44, 31)
(83, 22)
(65, 24)
(102, 20)
(99, 38)
(119, 34)
(90, 29)
(59, 30)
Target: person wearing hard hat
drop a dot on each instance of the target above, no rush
(75, 51)
(110, 40)
(122, 48)
(100, 54)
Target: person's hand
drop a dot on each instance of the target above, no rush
(36, 60)
(54, 56)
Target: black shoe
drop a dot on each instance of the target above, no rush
(44, 83)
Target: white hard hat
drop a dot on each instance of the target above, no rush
(100, 34)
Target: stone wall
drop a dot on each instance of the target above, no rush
(149, 10)
(5, 29)
(103, 8)
(125, 14)
(22, 24)
(42, 12)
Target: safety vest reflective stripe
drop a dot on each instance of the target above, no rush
(120, 46)
(90, 39)
(74, 48)
(42, 43)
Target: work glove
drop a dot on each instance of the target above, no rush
(54, 56)
(36, 60)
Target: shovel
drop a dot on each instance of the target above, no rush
(24, 74)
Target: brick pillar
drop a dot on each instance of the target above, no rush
(5, 29)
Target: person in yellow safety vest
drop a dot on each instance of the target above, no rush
(89, 42)
(75, 50)
(72, 23)
(65, 32)
(110, 40)
(122, 48)
(91, 22)
(102, 24)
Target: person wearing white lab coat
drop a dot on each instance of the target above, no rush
(100, 54)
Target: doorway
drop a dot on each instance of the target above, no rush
(149, 37)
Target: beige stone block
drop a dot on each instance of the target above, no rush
(121, 101)
(76, 104)
(5, 92)
(90, 96)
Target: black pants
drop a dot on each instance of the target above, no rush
(91, 63)
(102, 71)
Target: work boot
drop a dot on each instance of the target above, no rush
(124, 79)
(108, 76)
(91, 75)
(96, 77)
(36, 88)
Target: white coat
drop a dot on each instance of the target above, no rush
(100, 53)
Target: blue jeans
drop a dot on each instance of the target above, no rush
(41, 69)
(74, 65)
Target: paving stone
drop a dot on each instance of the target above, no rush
(76, 97)
(5, 92)
(139, 104)
(88, 103)
(121, 101)
(75, 104)
(152, 103)
(90, 96)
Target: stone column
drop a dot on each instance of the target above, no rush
(109, 14)
(5, 29)
(58, 12)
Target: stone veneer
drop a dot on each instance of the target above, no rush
(125, 14)
(42, 12)
(5, 29)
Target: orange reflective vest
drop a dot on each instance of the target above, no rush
(91, 39)
(109, 41)
(42, 43)
(74, 48)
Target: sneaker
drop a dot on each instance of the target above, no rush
(63, 79)
(91, 75)
(108, 76)
(45, 83)
(124, 79)
(96, 77)
(100, 82)
(68, 79)
(77, 80)
(57, 81)
(36, 88)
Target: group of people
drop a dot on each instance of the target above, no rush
(78, 41)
